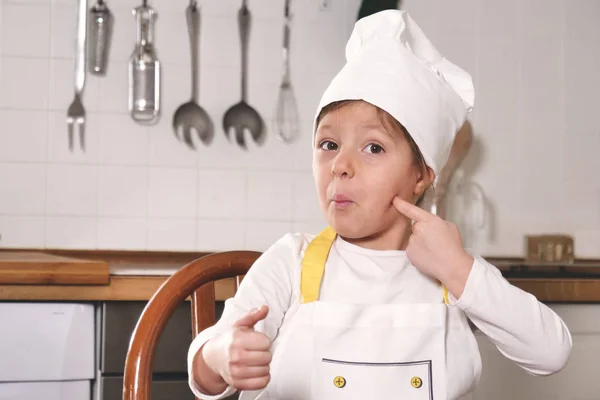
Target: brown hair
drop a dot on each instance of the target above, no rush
(389, 123)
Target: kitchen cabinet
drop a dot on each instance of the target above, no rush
(501, 379)
(170, 378)
(47, 351)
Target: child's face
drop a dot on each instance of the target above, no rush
(359, 168)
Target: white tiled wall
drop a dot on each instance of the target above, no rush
(535, 63)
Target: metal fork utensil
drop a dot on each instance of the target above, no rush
(76, 111)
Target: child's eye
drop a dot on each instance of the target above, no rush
(374, 148)
(328, 145)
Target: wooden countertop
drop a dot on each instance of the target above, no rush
(128, 288)
(25, 268)
(39, 276)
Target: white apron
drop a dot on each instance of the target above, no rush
(336, 351)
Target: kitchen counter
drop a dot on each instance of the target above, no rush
(90, 276)
(143, 287)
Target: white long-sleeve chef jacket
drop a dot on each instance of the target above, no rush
(523, 329)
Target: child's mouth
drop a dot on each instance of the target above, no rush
(341, 201)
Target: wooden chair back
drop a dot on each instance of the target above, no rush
(195, 280)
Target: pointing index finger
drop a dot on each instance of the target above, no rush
(410, 210)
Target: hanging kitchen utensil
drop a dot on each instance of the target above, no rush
(467, 208)
(76, 111)
(286, 113)
(241, 117)
(434, 200)
(190, 116)
(100, 34)
(144, 69)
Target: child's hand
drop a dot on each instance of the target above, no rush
(242, 356)
(435, 247)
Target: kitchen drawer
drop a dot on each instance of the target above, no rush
(118, 322)
(46, 341)
(66, 390)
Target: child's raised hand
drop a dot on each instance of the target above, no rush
(435, 247)
(242, 356)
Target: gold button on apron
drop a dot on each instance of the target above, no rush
(416, 382)
(339, 381)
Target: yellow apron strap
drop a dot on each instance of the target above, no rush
(446, 301)
(313, 264)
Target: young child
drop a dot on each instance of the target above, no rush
(380, 304)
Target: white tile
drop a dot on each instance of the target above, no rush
(64, 31)
(123, 191)
(309, 88)
(306, 203)
(123, 34)
(457, 17)
(579, 155)
(172, 192)
(124, 7)
(62, 83)
(223, 8)
(497, 20)
(427, 14)
(71, 233)
(114, 87)
(172, 234)
(24, 83)
(176, 89)
(582, 85)
(497, 89)
(542, 73)
(581, 22)
(269, 10)
(263, 90)
(22, 232)
(171, 38)
(218, 33)
(58, 144)
(72, 190)
(122, 233)
(28, 1)
(269, 195)
(306, 12)
(222, 194)
(165, 150)
(24, 137)
(220, 235)
(586, 243)
(461, 50)
(258, 9)
(303, 149)
(328, 56)
(260, 235)
(26, 30)
(123, 141)
(266, 43)
(22, 188)
(542, 18)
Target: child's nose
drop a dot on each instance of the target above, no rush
(343, 165)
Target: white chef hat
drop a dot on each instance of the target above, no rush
(391, 64)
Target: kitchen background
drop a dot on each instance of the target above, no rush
(535, 64)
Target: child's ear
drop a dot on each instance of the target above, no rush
(424, 181)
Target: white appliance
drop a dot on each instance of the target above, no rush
(46, 351)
